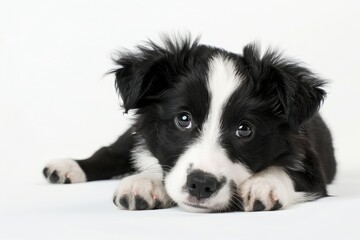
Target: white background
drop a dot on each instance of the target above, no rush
(55, 102)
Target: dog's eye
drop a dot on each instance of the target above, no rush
(183, 121)
(244, 130)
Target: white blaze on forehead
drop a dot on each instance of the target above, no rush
(206, 153)
(222, 82)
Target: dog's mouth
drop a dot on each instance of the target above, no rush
(196, 205)
(202, 205)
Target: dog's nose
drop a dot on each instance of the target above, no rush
(201, 184)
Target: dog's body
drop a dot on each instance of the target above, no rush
(215, 131)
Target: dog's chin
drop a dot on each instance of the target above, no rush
(192, 205)
(198, 208)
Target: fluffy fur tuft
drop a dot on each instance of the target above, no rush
(146, 73)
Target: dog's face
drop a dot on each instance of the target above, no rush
(214, 118)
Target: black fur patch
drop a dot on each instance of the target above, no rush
(54, 177)
(140, 203)
(46, 172)
(258, 206)
(124, 201)
(276, 206)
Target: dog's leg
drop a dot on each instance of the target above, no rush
(106, 163)
(145, 189)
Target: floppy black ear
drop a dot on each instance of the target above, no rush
(290, 88)
(146, 73)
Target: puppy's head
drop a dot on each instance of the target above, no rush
(213, 118)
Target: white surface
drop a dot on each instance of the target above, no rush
(55, 103)
(35, 210)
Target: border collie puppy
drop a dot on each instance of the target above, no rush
(214, 131)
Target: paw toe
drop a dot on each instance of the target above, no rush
(258, 206)
(124, 201)
(67, 181)
(157, 204)
(276, 206)
(140, 203)
(54, 177)
(46, 172)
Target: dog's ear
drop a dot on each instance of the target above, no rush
(290, 88)
(145, 74)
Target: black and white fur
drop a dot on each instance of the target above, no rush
(214, 131)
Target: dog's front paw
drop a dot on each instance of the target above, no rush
(137, 192)
(64, 171)
(261, 194)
